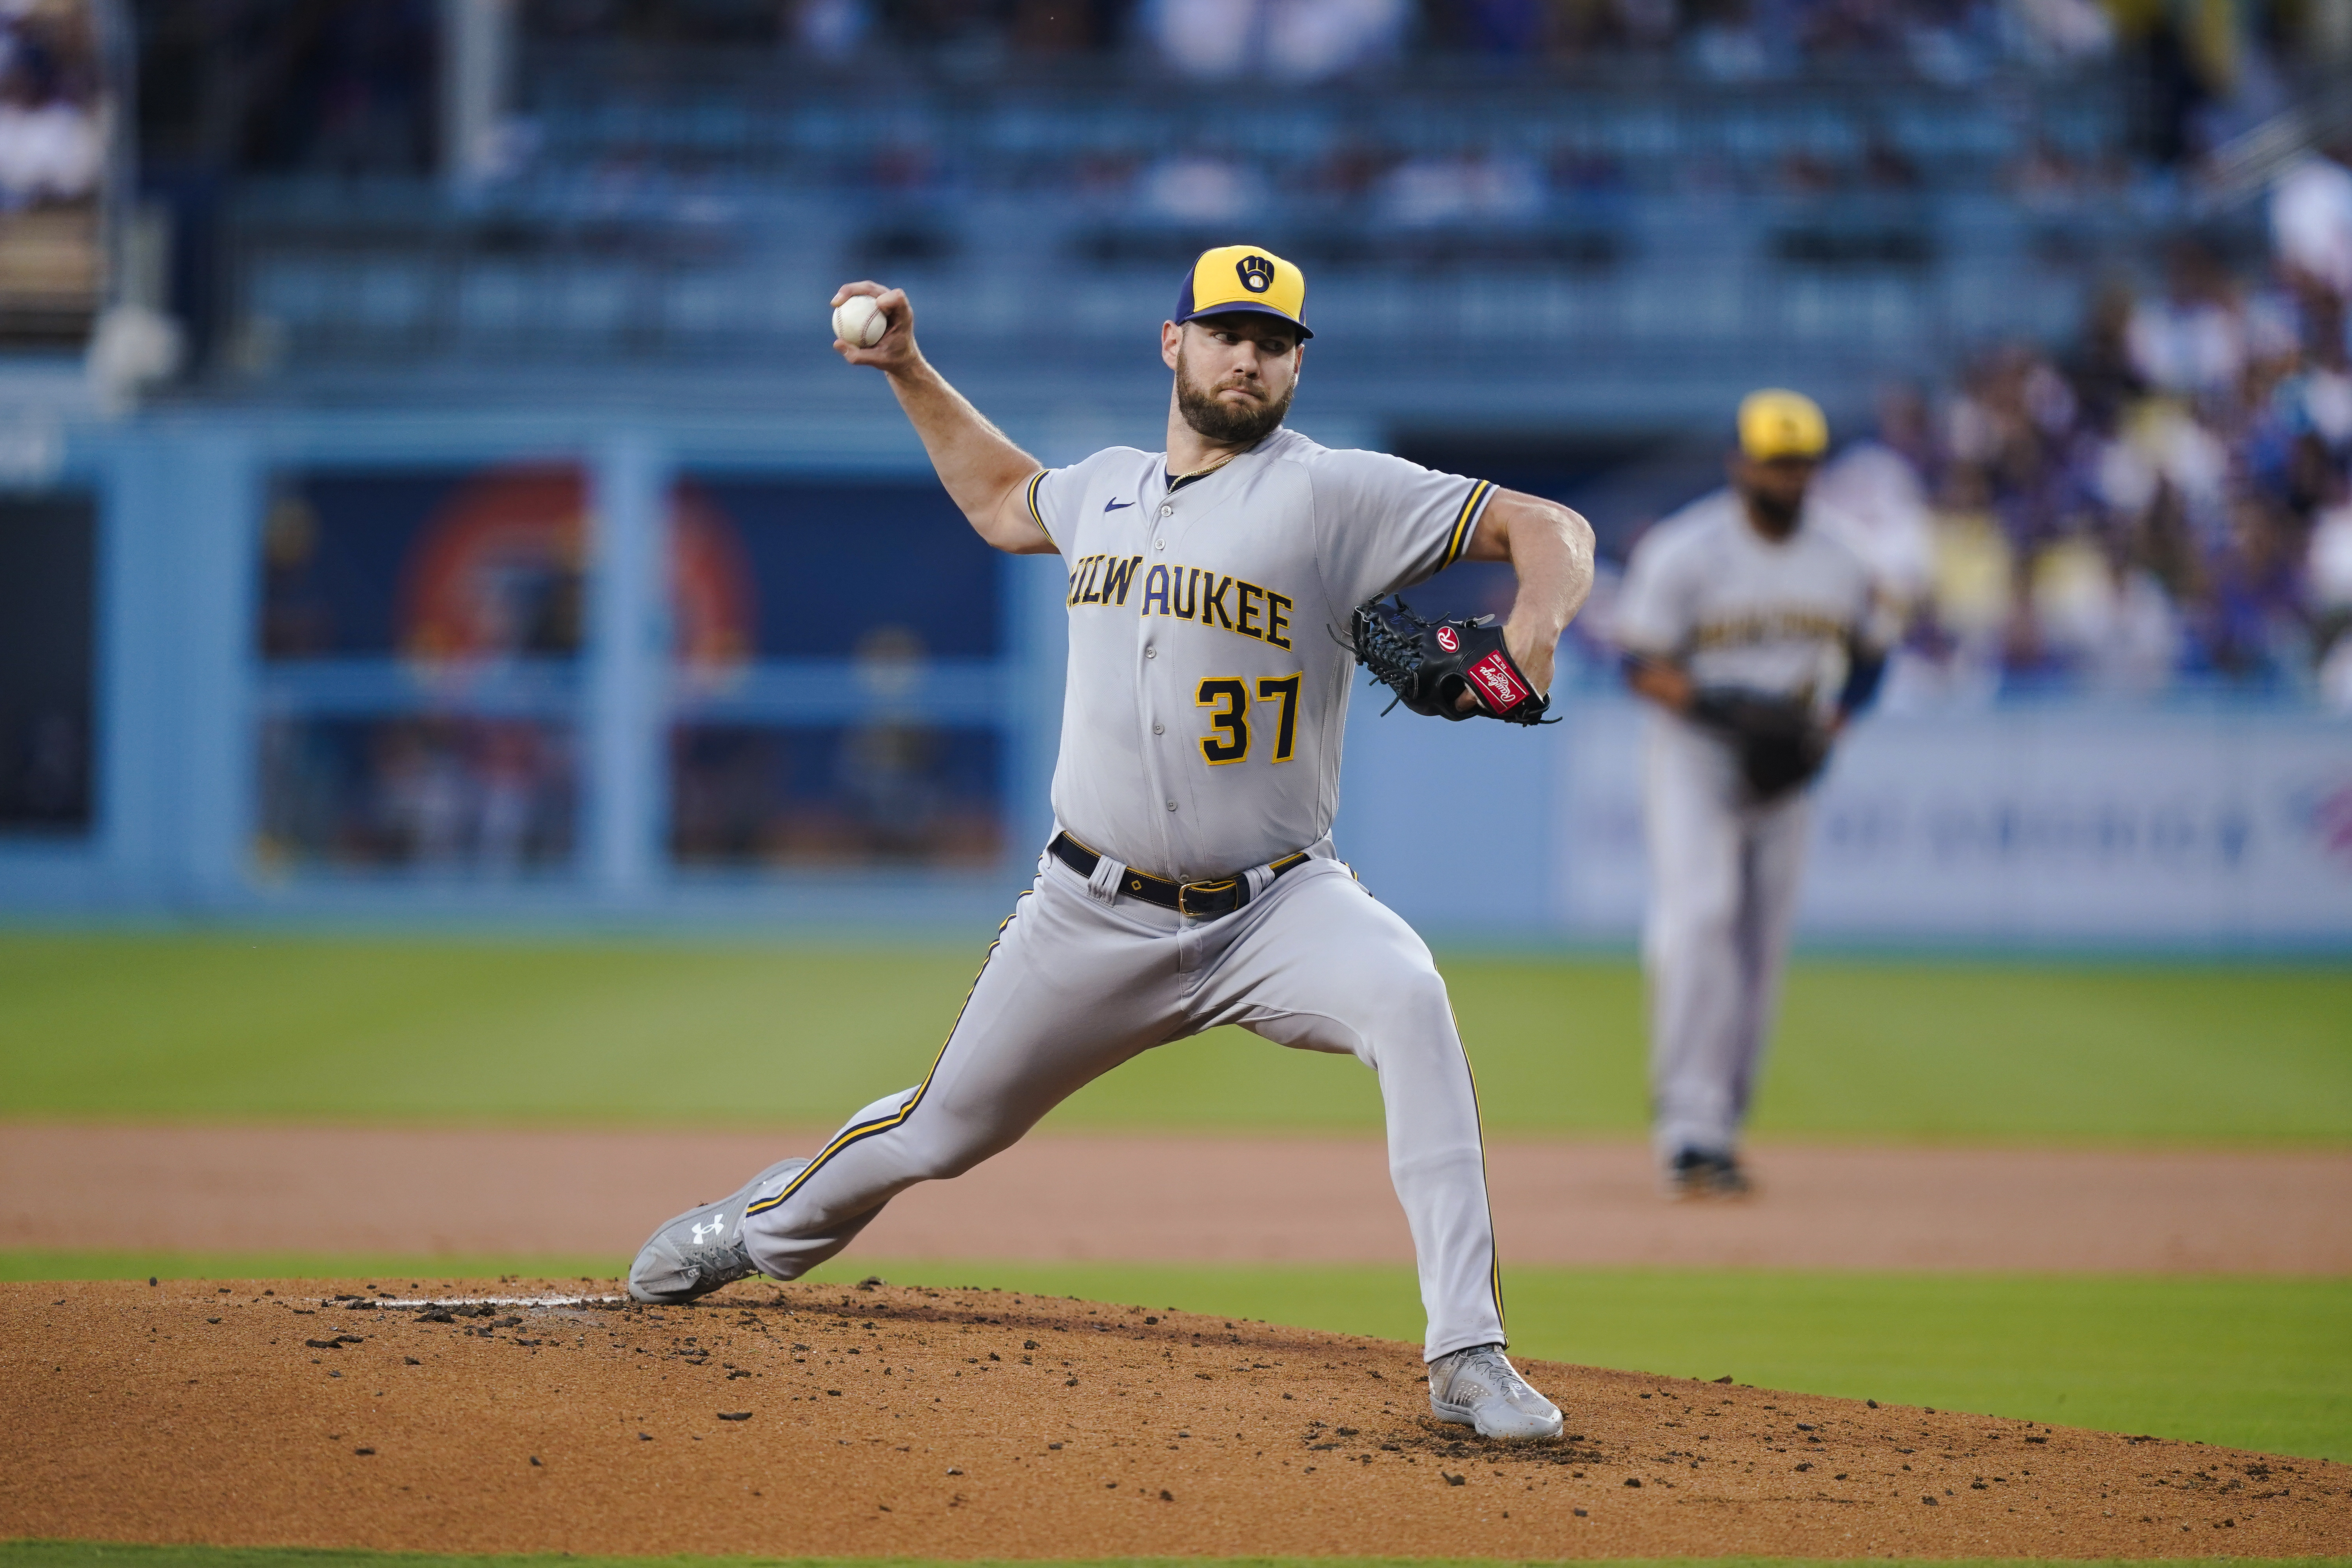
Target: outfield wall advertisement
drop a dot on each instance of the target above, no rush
(2074, 823)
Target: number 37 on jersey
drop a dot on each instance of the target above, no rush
(1244, 713)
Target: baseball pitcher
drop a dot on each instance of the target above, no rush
(1752, 630)
(1190, 880)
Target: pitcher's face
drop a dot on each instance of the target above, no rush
(1234, 374)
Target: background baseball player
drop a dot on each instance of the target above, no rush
(1751, 629)
(1192, 880)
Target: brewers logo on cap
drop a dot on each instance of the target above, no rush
(1244, 278)
(1775, 423)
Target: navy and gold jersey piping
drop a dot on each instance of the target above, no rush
(1029, 494)
(1465, 521)
(881, 1124)
(1478, 1112)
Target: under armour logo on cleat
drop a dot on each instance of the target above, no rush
(1117, 505)
(709, 1232)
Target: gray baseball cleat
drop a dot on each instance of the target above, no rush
(1698, 1173)
(702, 1249)
(1479, 1387)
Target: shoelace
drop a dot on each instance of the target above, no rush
(1489, 1365)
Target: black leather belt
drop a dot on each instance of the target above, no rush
(1205, 899)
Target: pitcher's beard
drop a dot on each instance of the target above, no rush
(1780, 514)
(1226, 424)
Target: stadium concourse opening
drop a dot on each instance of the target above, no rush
(444, 1416)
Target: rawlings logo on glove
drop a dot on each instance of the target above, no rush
(1429, 664)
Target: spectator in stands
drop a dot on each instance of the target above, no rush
(1314, 41)
(2192, 342)
(1731, 43)
(829, 30)
(2311, 224)
(1289, 40)
(2102, 620)
(49, 152)
(1473, 186)
(1200, 187)
(1851, 32)
(2140, 649)
(2252, 614)
(1487, 26)
(1877, 492)
(2101, 368)
(50, 147)
(2061, 33)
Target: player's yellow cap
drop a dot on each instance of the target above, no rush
(1776, 423)
(1244, 278)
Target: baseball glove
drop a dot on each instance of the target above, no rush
(1780, 745)
(1429, 664)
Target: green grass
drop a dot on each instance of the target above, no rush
(2248, 1363)
(275, 1027)
(2251, 1363)
(92, 1554)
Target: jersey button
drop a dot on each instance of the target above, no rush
(1171, 806)
(1151, 653)
(1158, 728)
(1159, 544)
(1168, 511)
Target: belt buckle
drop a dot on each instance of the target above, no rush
(1183, 890)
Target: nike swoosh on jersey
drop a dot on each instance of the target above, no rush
(1117, 505)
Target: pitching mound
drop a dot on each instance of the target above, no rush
(968, 1423)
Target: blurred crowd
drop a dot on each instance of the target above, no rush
(1721, 40)
(2168, 499)
(1731, 40)
(347, 87)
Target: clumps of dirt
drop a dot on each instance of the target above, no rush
(873, 1420)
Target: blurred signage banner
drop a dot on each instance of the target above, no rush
(55, 118)
(2064, 822)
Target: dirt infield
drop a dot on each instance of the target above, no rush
(825, 1420)
(1161, 1198)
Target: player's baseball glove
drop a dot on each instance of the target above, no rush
(1429, 664)
(1780, 745)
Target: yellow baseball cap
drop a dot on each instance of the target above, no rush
(1776, 423)
(1244, 278)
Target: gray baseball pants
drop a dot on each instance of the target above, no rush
(1080, 981)
(1723, 897)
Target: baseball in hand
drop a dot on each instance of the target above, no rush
(858, 321)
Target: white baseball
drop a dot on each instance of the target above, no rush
(858, 321)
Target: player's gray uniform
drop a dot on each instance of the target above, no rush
(1201, 736)
(1704, 590)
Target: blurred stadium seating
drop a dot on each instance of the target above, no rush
(672, 209)
(490, 305)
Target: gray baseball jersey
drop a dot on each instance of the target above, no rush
(1200, 740)
(1705, 590)
(1201, 724)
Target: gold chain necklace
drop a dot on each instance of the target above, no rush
(1204, 473)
